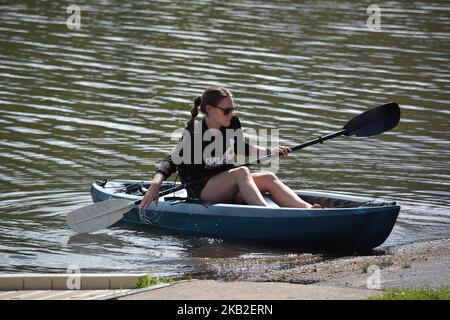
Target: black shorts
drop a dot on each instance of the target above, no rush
(194, 191)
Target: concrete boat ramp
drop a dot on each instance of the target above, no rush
(122, 287)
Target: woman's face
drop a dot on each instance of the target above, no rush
(217, 113)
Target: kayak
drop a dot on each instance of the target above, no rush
(344, 222)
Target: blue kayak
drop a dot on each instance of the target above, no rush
(345, 222)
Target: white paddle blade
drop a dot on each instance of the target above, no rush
(98, 216)
(97, 223)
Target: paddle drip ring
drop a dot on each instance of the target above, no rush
(149, 219)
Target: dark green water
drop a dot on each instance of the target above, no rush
(101, 102)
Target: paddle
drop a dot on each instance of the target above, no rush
(105, 213)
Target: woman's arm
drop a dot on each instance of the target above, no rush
(254, 150)
(167, 167)
(152, 193)
(260, 152)
(165, 170)
(158, 179)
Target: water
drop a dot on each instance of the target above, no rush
(102, 101)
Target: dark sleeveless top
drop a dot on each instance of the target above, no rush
(196, 166)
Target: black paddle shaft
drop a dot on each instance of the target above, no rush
(319, 140)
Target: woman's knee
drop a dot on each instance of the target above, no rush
(241, 173)
(270, 176)
(265, 181)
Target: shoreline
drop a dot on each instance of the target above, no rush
(417, 265)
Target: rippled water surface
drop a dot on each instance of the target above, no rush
(102, 101)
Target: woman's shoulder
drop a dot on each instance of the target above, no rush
(198, 123)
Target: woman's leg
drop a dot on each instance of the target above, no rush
(225, 186)
(283, 195)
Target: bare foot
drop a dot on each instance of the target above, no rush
(315, 206)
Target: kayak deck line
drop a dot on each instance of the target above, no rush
(346, 221)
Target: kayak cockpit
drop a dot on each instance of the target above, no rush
(326, 200)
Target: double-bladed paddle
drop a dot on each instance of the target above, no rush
(105, 213)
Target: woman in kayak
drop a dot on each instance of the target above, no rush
(220, 181)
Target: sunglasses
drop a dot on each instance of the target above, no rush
(226, 111)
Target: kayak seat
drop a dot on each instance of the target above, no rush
(182, 195)
(271, 202)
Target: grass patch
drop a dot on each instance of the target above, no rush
(366, 267)
(149, 280)
(414, 294)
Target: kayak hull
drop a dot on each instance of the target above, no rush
(336, 226)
